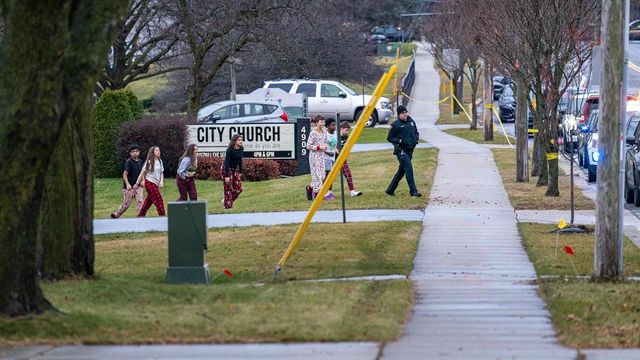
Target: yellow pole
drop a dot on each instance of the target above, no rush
(342, 157)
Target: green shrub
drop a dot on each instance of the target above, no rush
(112, 110)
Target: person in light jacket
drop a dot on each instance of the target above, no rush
(186, 172)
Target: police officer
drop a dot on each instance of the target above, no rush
(404, 136)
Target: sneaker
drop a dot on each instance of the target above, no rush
(329, 196)
(416, 194)
(309, 192)
(389, 192)
(114, 216)
(355, 193)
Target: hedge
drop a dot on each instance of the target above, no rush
(112, 110)
(252, 169)
(169, 132)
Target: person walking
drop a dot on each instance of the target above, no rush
(345, 127)
(404, 135)
(317, 144)
(231, 171)
(330, 153)
(130, 189)
(186, 172)
(153, 176)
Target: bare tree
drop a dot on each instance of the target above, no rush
(213, 31)
(142, 46)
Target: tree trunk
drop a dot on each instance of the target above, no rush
(552, 148)
(474, 109)
(59, 47)
(522, 137)
(538, 160)
(69, 250)
(608, 246)
(488, 100)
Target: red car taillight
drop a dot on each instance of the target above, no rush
(284, 116)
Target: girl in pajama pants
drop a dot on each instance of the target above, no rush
(153, 176)
(231, 171)
(186, 173)
(317, 144)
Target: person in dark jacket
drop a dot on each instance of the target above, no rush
(231, 171)
(404, 136)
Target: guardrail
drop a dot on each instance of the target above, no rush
(407, 81)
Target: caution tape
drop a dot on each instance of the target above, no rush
(425, 101)
(462, 106)
(504, 132)
(532, 131)
(552, 156)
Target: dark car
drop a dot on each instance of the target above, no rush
(499, 83)
(634, 30)
(632, 161)
(507, 104)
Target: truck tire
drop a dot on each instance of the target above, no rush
(373, 119)
(628, 193)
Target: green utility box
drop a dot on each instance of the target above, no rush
(187, 243)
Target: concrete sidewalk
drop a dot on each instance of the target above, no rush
(109, 226)
(474, 282)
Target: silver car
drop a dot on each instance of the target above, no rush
(230, 111)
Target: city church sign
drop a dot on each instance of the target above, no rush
(282, 140)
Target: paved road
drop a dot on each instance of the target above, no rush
(633, 77)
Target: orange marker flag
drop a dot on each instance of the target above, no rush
(569, 251)
(227, 272)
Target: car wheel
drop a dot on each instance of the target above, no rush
(580, 163)
(628, 193)
(373, 120)
(591, 174)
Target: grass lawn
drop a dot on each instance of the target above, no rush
(585, 314)
(147, 88)
(372, 172)
(528, 196)
(477, 136)
(128, 303)
(373, 136)
(445, 108)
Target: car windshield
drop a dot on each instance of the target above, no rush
(633, 123)
(508, 92)
(346, 88)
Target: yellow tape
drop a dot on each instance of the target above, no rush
(342, 157)
(424, 101)
(488, 106)
(532, 131)
(552, 156)
(504, 132)
(461, 106)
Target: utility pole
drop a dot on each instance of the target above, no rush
(608, 263)
(232, 63)
(487, 90)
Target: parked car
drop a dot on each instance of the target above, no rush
(230, 111)
(507, 104)
(634, 30)
(588, 154)
(499, 83)
(632, 161)
(576, 114)
(328, 98)
(390, 32)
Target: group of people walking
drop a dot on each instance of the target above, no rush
(323, 149)
(150, 175)
(322, 142)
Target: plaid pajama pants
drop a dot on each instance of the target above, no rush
(233, 188)
(187, 187)
(347, 174)
(127, 197)
(153, 197)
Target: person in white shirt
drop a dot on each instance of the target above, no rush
(153, 176)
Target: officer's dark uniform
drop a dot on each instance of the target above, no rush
(404, 136)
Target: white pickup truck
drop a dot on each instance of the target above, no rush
(328, 98)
